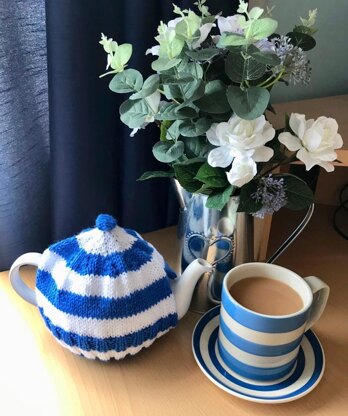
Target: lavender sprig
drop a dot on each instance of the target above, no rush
(293, 59)
(271, 193)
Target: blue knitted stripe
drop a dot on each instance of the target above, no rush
(100, 307)
(114, 264)
(112, 343)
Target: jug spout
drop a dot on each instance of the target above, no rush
(184, 286)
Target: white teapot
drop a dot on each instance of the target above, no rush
(107, 292)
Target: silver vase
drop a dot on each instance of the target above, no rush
(225, 238)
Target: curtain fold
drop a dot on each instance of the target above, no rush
(24, 140)
(64, 163)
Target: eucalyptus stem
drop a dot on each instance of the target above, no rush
(162, 92)
(281, 73)
(290, 159)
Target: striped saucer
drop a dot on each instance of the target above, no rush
(303, 378)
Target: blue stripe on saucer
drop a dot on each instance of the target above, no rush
(118, 344)
(85, 263)
(257, 349)
(101, 307)
(254, 388)
(256, 373)
(259, 322)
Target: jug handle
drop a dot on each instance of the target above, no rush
(17, 283)
(292, 237)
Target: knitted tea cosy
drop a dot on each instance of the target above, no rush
(105, 293)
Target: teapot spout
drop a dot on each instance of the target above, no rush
(184, 286)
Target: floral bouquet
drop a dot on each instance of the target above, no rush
(210, 94)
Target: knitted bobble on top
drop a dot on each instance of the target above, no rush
(105, 222)
(105, 292)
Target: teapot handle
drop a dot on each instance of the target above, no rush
(17, 283)
(292, 237)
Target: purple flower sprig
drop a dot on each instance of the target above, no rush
(271, 193)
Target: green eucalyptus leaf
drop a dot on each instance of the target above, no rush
(197, 147)
(183, 78)
(255, 13)
(192, 92)
(213, 177)
(298, 193)
(163, 64)
(203, 54)
(171, 48)
(214, 100)
(305, 29)
(193, 68)
(185, 173)
(134, 112)
(238, 69)
(246, 202)
(186, 112)
(150, 86)
(302, 40)
(261, 28)
(267, 58)
(168, 152)
(191, 128)
(172, 111)
(250, 103)
(219, 198)
(173, 131)
(129, 80)
(156, 174)
(231, 39)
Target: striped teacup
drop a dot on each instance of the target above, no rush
(265, 347)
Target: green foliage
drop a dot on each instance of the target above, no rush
(156, 174)
(134, 113)
(302, 40)
(249, 103)
(203, 54)
(298, 193)
(214, 100)
(219, 198)
(246, 202)
(129, 80)
(197, 84)
(186, 172)
(151, 85)
(240, 68)
(212, 177)
(191, 128)
(168, 151)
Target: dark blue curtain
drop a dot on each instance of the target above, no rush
(59, 178)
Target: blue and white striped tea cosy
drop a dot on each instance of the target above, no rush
(105, 293)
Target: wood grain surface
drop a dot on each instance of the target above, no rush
(39, 377)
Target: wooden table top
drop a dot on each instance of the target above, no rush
(39, 377)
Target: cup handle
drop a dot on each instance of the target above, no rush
(320, 296)
(17, 283)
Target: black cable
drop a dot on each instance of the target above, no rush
(342, 206)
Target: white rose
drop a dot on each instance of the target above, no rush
(315, 140)
(243, 170)
(238, 140)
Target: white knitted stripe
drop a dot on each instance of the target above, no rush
(105, 356)
(106, 286)
(104, 328)
(104, 243)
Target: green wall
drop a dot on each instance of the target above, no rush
(329, 58)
